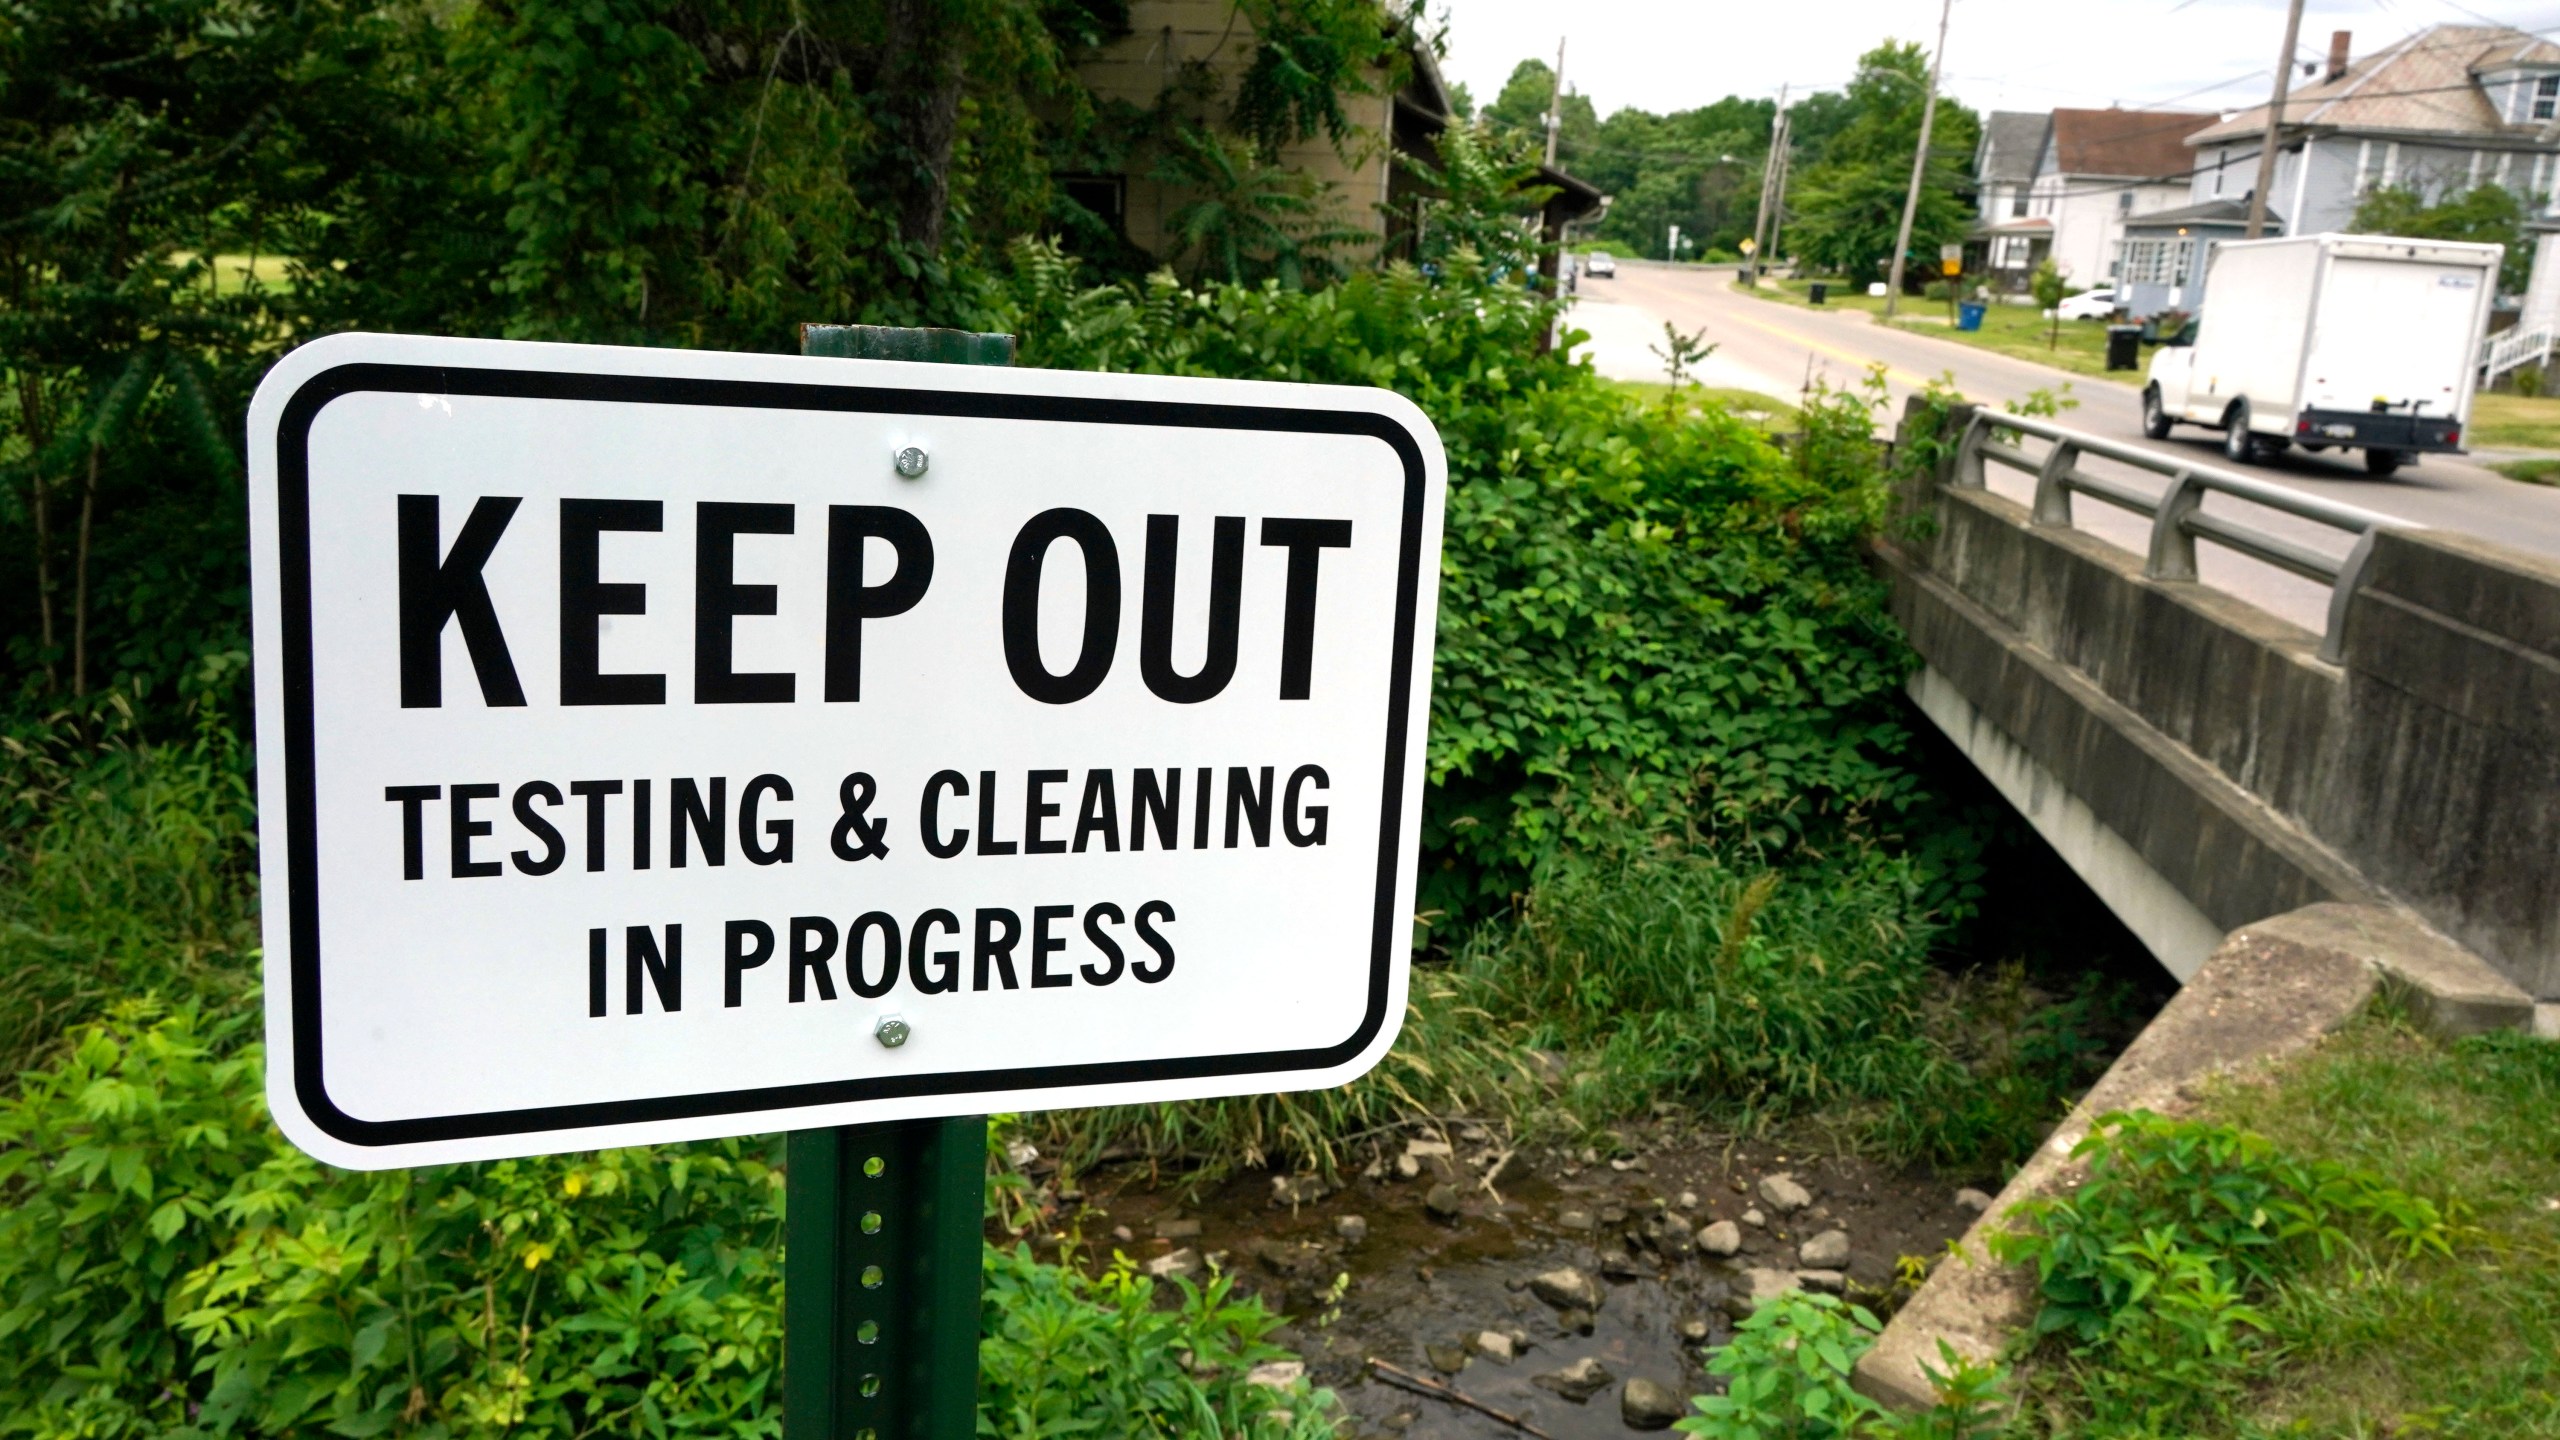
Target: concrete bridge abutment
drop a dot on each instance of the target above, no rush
(2200, 765)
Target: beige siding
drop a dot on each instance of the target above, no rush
(1165, 36)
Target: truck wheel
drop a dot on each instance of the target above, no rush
(2381, 462)
(2155, 416)
(2238, 445)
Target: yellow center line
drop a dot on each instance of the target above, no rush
(1892, 372)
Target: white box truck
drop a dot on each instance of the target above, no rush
(2355, 341)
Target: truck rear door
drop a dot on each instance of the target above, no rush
(2395, 332)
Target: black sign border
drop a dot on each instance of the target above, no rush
(293, 517)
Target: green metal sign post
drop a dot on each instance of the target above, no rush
(881, 1265)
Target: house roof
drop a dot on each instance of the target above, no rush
(2425, 84)
(2124, 144)
(2012, 141)
(2206, 214)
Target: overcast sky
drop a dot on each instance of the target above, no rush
(2001, 54)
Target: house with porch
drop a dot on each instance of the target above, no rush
(2006, 243)
(2096, 171)
(2440, 112)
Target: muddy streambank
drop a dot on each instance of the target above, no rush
(1447, 1257)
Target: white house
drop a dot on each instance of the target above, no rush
(2006, 243)
(2443, 111)
(2099, 168)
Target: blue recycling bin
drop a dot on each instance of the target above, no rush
(1969, 315)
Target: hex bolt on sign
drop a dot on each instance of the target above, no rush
(891, 1031)
(912, 462)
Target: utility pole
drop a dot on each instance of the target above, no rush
(1920, 162)
(1555, 105)
(2275, 123)
(1769, 170)
(1778, 198)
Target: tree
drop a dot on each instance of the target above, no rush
(2050, 290)
(1846, 207)
(187, 187)
(1521, 110)
(2490, 214)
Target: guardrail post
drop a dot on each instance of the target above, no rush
(2333, 641)
(884, 1223)
(2053, 484)
(1968, 468)
(2173, 550)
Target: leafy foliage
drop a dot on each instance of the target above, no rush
(170, 1265)
(2151, 1276)
(1847, 207)
(1308, 57)
(1787, 1377)
(1067, 1355)
(1787, 1373)
(1637, 604)
(1245, 217)
(2483, 214)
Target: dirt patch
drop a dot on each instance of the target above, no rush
(1431, 1270)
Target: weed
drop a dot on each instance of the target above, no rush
(2152, 1277)
(1787, 1377)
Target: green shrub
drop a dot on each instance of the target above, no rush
(1786, 1373)
(2152, 1274)
(1787, 1377)
(1067, 1355)
(1658, 608)
(170, 1265)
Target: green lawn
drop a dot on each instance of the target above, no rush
(2513, 422)
(2362, 1337)
(2020, 330)
(2466, 1344)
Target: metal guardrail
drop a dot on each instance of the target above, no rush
(2177, 515)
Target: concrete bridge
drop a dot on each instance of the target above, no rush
(2205, 764)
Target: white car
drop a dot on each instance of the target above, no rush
(2095, 304)
(1600, 266)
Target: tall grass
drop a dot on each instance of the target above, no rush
(1750, 994)
(133, 872)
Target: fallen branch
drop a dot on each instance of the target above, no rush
(1404, 1379)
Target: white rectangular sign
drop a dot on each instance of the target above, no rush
(641, 750)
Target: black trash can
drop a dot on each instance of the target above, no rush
(1817, 292)
(2124, 347)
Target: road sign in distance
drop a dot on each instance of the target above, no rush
(659, 744)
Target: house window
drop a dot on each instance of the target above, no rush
(2018, 203)
(1106, 196)
(2124, 202)
(2221, 158)
(2546, 97)
(2142, 263)
(2182, 256)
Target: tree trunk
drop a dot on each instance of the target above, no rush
(919, 88)
(80, 582)
(39, 436)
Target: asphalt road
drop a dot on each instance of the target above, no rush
(1778, 349)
